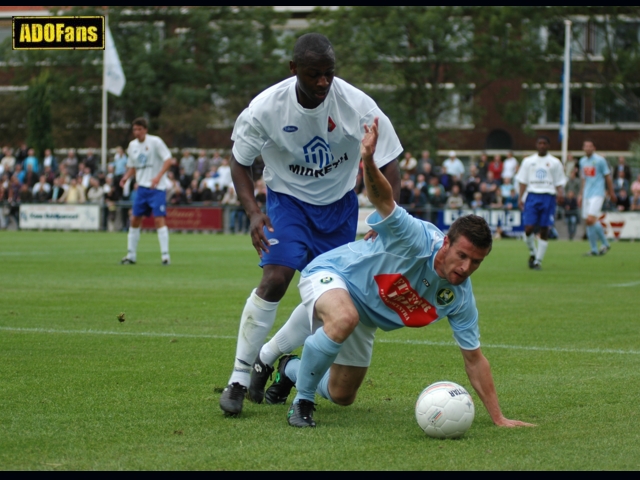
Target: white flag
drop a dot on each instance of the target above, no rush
(114, 76)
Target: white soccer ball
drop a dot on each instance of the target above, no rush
(445, 410)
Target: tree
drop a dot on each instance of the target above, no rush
(186, 67)
(425, 65)
(13, 120)
(39, 115)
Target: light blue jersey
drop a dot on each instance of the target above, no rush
(393, 283)
(593, 170)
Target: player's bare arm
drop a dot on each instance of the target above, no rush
(612, 192)
(523, 190)
(391, 172)
(131, 172)
(560, 195)
(479, 373)
(165, 168)
(245, 189)
(378, 188)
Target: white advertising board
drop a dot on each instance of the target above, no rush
(622, 226)
(60, 217)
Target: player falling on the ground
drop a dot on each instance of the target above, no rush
(412, 275)
(149, 161)
(308, 131)
(595, 181)
(542, 180)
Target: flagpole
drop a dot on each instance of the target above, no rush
(104, 100)
(566, 103)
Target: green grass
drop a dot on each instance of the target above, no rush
(81, 391)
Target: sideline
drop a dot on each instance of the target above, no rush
(401, 342)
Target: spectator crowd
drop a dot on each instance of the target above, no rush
(74, 180)
(426, 185)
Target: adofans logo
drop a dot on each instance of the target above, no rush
(58, 33)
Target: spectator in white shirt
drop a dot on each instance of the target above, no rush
(510, 167)
(454, 165)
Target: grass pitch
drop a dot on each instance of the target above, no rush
(82, 390)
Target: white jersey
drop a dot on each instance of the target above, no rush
(542, 174)
(312, 155)
(148, 158)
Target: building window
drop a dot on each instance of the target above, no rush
(611, 109)
(458, 111)
(552, 38)
(545, 106)
(626, 36)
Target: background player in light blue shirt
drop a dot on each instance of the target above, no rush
(596, 179)
(411, 275)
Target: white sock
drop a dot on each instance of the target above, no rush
(163, 238)
(290, 337)
(256, 322)
(531, 243)
(132, 244)
(542, 250)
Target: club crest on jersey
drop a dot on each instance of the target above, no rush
(445, 297)
(318, 152)
(290, 129)
(332, 125)
(326, 281)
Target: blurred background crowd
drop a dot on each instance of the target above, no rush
(203, 178)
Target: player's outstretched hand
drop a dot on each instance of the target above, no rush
(370, 140)
(258, 222)
(506, 423)
(371, 235)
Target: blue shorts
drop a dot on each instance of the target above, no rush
(540, 210)
(303, 231)
(150, 201)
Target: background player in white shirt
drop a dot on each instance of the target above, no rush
(149, 159)
(542, 180)
(308, 130)
(410, 276)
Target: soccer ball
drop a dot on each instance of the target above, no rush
(445, 410)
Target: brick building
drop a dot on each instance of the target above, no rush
(594, 115)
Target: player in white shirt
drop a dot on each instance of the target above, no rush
(149, 159)
(542, 180)
(410, 276)
(308, 130)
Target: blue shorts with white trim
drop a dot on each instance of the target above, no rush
(303, 231)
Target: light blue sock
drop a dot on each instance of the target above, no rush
(593, 238)
(291, 371)
(323, 387)
(317, 357)
(600, 235)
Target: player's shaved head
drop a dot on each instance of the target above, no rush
(311, 47)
